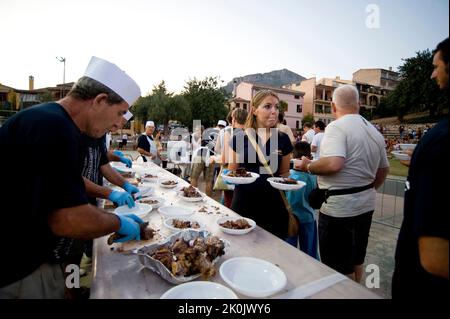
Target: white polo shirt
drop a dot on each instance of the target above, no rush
(363, 147)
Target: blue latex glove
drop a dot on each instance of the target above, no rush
(126, 161)
(225, 172)
(129, 228)
(121, 198)
(134, 217)
(123, 159)
(118, 153)
(130, 188)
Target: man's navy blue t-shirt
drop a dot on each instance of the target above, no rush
(41, 163)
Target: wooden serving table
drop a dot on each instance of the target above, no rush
(118, 274)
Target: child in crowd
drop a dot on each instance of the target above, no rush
(298, 199)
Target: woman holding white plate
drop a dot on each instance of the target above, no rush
(259, 200)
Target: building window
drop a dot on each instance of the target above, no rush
(327, 109)
(318, 109)
(297, 97)
(299, 108)
(297, 124)
(238, 105)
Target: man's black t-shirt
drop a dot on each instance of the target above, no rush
(41, 169)
(425, 214)
(96, 156)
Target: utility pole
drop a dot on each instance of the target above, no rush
(61, 59)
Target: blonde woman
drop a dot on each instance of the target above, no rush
(260, 201)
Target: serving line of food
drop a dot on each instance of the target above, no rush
(193, 247)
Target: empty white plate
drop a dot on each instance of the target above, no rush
(401, 156)
(174, 211)
(121, 167)
(139, 210)
(405, 147)
(199, 290)
(253, 277)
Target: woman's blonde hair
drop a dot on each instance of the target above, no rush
(256, 101)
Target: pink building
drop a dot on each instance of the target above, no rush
(245, 91)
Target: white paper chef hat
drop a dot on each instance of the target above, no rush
(222, 122)
(127, 116)
(150, 123)
(113, 77)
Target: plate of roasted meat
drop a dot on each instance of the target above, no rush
(285, 184)
(240, 176)
(190, 194)
(168, 183)
(149, 177)
(181, 223)
(154, 201)
(184, 256)
(236, 225)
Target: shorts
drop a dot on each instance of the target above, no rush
(208, 171)
(46, 282)
(343, 241)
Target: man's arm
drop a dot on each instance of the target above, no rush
(433, 252)
(324, 166)
(380, 177)
(112, 175)
(82, 222)
(94, 190)
(113, 157)
(144, 152)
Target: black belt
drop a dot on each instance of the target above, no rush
(347, 191)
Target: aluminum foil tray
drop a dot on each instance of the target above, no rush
(158, 267)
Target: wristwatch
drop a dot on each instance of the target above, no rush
(307, 168)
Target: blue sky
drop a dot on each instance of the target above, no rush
(175, 40)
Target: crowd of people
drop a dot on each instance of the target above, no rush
(62, 154)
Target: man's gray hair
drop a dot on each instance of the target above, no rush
(346, 96)
(87, 88)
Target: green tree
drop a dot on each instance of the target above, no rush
(206, 100)
(283, 106)
(308, 118)
(46, 96)
(416, 92)
(162, 106)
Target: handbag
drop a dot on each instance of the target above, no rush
(220, 184)
(317, 197)
(293, 222)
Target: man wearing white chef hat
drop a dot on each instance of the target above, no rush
(146, 145)
(47, 142)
